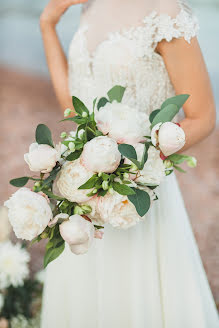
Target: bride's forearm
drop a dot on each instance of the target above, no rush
(196, 130)
(57, 64)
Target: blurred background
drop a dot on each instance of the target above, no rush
(27, 98)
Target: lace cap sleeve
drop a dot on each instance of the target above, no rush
(175, 19)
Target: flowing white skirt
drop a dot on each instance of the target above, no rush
(150, 276)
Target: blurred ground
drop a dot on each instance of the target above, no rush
(26, 101)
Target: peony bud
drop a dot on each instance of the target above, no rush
(71, 146)
(192, 162)
(168, 172)
(78, 210)
(44, 235)
(63, 135)
(67, 112)
(84, 114)
(86, 209)
(168, 164)
(126, 175)
(105, 185)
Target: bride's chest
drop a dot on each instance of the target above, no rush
(123, 51)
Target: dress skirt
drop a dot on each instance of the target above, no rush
(149, 276)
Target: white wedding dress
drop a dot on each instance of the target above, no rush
(150, 276)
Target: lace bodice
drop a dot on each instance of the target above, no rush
(128, 57)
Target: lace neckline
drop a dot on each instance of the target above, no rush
(152, 19)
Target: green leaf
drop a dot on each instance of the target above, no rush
(77, 119)
(51, 177)
(116, 93)
(153, 114)
(102, 193)
(74, 156)
(43, 135)
(102, 102)
(90, 134)
(177, 158)
(179, 101)
(94, 103)
(145, 154)
(79, 106)
(53, 253)
(105, 176)
(52, 196)
(165, 115)
(19, 182)
(178, 168)
(141, 200)
(127, 151)
(90, 183)
(122, 189)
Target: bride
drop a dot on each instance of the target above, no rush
(150, 276)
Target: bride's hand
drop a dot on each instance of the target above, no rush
(55, 9)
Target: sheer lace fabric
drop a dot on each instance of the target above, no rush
(116, 44)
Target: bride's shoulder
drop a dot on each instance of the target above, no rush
(172, 19)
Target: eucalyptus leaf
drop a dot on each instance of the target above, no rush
(102, 193)
(53, 253)
(141, 200)
(19, 182)
(122, 189)
(77, 119)
(179, 101)
(43, 135)
(145, 154)
(177, 158)
(94, 103)
(128, 151)
(102, 102)
(116, 93)
(79, 106)
(153, 114)
(165, 115)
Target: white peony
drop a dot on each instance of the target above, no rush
(13, 265)
(169, 136)
(154, 169)
(78, 233)
(101, 154)
(72, 176)
(42, 158)
(94, 214)
(117, 210)
(122, 122)
(5, 227)
(29, 213)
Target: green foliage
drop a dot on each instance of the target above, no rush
(90, 183)
(141, 201)
(116, 93)
(19, 182)
(165, 115)
(145, 154)
(179, 101)
(122, 189)
(102, 102)
(153, 114)
(79, 106)
(73, 156)
(18, 300)
(43, 135)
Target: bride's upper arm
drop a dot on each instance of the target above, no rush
(188, 73)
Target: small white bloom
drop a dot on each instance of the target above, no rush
(122, 122)
(67, 112)
(71, 177)
(105, 185)
(2, 299)
(13, 265)
(78, 233)
(84, 114)
(42, 158)
(117, 210)
(71, 146)
(29, 213)
(101, 154)
(170, 137)
(5, 227)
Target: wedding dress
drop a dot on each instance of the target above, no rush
(150, 276)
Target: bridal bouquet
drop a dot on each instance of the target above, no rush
(105, 172)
